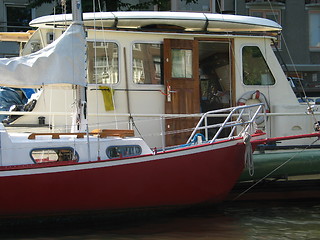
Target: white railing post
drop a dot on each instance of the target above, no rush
(163, 141)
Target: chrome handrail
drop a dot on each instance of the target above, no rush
(243, 117)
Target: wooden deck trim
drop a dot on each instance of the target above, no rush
(56, 135)
(102, 133)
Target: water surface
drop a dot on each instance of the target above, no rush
(227, 221)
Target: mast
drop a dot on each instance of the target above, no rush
(80, 121)
(77, 12)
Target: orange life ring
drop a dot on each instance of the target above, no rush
(251, 95)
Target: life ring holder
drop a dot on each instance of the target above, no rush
(256, 94)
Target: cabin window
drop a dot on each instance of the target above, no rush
(123, 151)
(147, 63)
(45, 155)
(255, 68)
(103, 67)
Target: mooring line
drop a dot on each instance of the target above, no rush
(245, 191)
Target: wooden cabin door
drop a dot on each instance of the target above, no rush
(181, 77)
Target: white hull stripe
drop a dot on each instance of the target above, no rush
(93, 165)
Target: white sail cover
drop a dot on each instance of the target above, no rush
(61, 62)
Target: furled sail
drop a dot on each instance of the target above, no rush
(61, 62)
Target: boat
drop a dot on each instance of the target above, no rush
(58, 174)
(158, 73)
(111, 170)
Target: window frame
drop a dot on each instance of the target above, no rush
(121, 154)
(93, 66)
(14, 27)
(313, 48)
(54, 148)
(264, 58)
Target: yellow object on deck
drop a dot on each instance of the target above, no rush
(107, 94)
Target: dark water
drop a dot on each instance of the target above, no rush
(256, 221)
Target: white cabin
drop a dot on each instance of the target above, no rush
(148, 71)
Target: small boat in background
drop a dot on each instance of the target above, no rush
(280, 173)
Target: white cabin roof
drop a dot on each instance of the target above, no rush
(185, 20)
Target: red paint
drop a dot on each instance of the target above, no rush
(172, 181)
(266, 140)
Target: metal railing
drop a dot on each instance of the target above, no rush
(240, 116)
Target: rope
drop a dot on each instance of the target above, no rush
(135, 126)
(248, 155)
(281, 165)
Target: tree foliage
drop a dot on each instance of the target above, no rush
(108, 5)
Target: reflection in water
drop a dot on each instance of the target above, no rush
(224, 222)
(288, 220)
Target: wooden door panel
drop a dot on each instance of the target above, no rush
(184, 94)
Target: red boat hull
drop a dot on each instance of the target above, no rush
(177, 178)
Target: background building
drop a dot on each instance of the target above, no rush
(15, 17)
(299, 45)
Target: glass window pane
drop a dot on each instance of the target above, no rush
(255, 68)
(103, 63)
(314, 31)
(53, 155)
(147, 63)
(181, 63)
(18, 18)
(123, 151)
